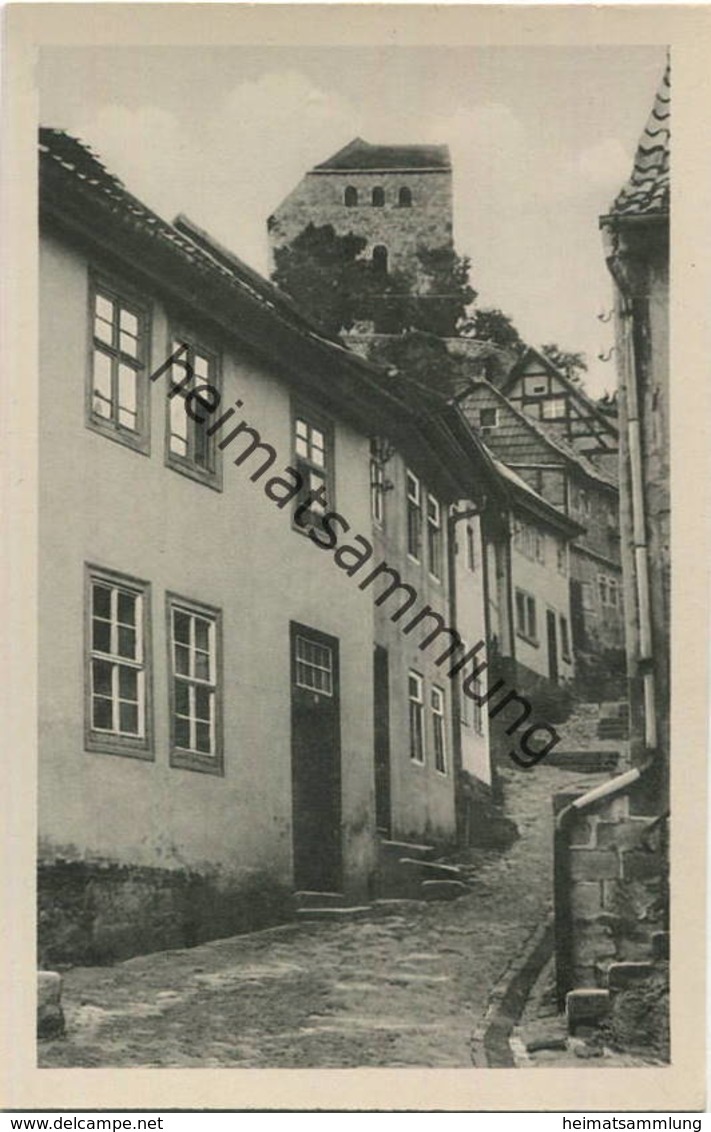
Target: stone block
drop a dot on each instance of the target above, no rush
(622, 835)
(50, 1016)
(594, 864)
(660, 945)
(622, 975)
(585, 900)
(582, 834)
(586, 1007)
(640, 865)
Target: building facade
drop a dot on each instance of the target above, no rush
(398, 198)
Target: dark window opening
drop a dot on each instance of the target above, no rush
(380, 259)
(350, 197)
(405, 197)
(378, 197)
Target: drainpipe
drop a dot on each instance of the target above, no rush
(620, 783)
(460, 808)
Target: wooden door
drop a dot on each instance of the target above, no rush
(315, 760)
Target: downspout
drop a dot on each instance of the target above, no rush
(620, 783)
(461, 810)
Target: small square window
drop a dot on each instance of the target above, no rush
(488, 418)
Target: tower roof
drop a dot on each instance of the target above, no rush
(361, 156)
(646, 193)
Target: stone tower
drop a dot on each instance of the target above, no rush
(397, 197)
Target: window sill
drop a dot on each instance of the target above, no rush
(128, 748)
(207, 479)
(416, 762)
(529, 640)
(411, 558)
(137, 442)
(203, 764)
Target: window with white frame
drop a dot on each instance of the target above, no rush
(377, 483)
(414, 516)
(471, 707)
(195, 685)
(434, 537)
(439, 730)
(562, 556)
(118, 718)
(314, 667)
(119, 388)
(190, 449)
(526, 626)
(415, 694)
(314, 461)
(554, 409)
(489, 417)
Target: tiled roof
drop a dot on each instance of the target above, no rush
(360, 155)
(518, 438)
(647, 191)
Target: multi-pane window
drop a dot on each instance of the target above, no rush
(118, 384)
(439, 732)
(526, 616)
(554, 409)
(564, 638)
(417, 710)
(562, 556)
(195, 685)
(414, 516)
(117, 676)
(189, 446)
(377, 483)
(314, 666)
(609, 591)
(434, 536)
(313, 459)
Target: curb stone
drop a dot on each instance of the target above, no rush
(490, 1045)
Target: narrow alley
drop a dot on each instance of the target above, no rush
(406, 988)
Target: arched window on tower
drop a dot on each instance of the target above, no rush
(405, 197)
(378, 196)
(380, 259)
(350, 197)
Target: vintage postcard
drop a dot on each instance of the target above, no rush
(357, 594)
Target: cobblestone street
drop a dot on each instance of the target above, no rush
(401, 989)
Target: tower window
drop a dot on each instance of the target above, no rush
(350, 197)
(380, 259)
(405, 197)
(378, 196)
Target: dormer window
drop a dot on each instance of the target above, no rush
(350, 197)
(405, 197)
(378, 196)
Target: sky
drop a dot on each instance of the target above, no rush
(541, 139)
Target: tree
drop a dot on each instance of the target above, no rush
(332, 280)
(492, 325)
(440, 306)
(421, 357)
(573, 365)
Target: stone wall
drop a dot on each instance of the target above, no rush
(95, 912)
(319, 199)
(617, 884)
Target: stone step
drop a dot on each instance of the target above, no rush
(613, 729)
(584, 760)
(399, 849)
(431, 870)
(319, 899)
(336, 915)
(444, 889)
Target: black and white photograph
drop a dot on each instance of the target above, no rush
(353, 573)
